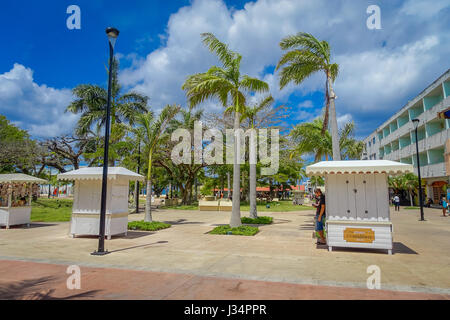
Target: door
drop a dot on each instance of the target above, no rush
(360, 197)
(351, 196)
(371, 207)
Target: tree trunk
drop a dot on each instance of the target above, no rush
(196, 190)
(148, 198)
(235, 220)
(333, 123)
(148, 202)
(229, 185)
(410, 198)
(136, 195)
(253, 212)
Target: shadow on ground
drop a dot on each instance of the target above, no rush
(140, 246)
(182, 221)
(398, 248)
(29, 290)
(33, 225)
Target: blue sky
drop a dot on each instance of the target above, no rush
(159, 45)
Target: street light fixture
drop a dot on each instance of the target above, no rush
(112, 33)
(416, 126)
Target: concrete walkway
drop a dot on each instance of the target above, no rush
(280, 253)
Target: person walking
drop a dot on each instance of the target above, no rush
(320, 215)
(444, 206)
(397, 203)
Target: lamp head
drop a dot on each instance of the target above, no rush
(415, 123)
(112, 33)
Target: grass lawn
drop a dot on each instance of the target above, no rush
(51, 210)
(281, 206)
(239, 231)
(182, 207)
(147, 226)
(411, 208)
(259, 220)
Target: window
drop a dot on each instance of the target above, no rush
(373, 141)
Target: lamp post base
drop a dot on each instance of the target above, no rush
(99, 253)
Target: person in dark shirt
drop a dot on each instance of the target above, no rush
(320, 215)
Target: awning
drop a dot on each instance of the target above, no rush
(358, 167)
(96, 173)
(20, 178)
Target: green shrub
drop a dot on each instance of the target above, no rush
(239, 231)
(258, 220)
(147, 226)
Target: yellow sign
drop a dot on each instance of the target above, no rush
(359, 235)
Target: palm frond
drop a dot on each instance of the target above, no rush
(225, 55)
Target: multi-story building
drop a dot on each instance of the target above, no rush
(395, 138)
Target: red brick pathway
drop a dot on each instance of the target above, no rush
(31, 280)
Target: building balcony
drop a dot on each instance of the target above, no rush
(432, 170)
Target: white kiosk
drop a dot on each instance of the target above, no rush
(357, 201)
(87, 197)
(16, 192)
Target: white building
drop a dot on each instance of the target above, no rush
(395, 138)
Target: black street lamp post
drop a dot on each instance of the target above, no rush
(416, 125)
(112, 36)
(138, 171)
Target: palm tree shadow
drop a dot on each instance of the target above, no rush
(29, 290)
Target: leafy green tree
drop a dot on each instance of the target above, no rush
(18, 152)
(184, 174)
(91, 101)
(151, 130)
(224, 83)
(251, 113)
(306, 57)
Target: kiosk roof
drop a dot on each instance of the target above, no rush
(96, 173)
(358, 167)
(19, 178)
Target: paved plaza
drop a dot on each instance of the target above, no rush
(185, 262)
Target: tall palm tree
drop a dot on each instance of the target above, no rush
(150, 130)
(91, 103)
(224, 83)
(308, 139)
(308, 56)
(251, 113)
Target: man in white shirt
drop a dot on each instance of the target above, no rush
(397, 203)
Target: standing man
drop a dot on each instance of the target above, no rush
(397, 203)
(320, 215)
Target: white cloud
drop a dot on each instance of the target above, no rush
(37, 108)
(380, 69)
(342, 120)
(423, 8)
(378, 79)
(306, 104)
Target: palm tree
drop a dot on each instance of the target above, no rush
(251, 113)
(91, 102)
(308, 139)
(308, 56)
(150, 130)
(224, 83)
(411, 183)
